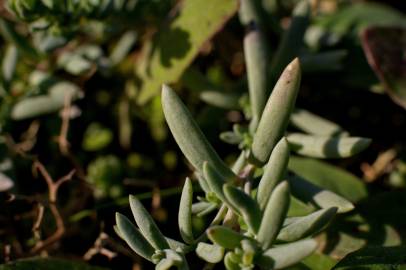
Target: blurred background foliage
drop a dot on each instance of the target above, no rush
(79, 90)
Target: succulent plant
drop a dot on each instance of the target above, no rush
(252, 197)
(251, 227)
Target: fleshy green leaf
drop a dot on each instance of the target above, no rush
(185, 213)
(286, 255)
(133, 237)
(178, 43)
(314, 124)
(329, 177)
(147, 225)
(246, 205)
(273, 172)
(327, 147)
(210, 253)
(304, 226)
(224, 236)
(229, 262)
(274, 215)
(275, 117)
(215, 181)
(308, 192)
(188, 135)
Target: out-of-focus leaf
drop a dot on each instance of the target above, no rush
(47, 264)
(329, 177)
(315, 262)
(325, 146)
(5, 182)
(123, 47)
(38, 105)
(375, 258)
(385, 48)
(314, 124)
(350, 20)
(96, 137)
(323, 61)
(177, 44)
(9, 63)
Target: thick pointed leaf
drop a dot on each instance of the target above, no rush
(133, 237)
(329, 177)
(274, 171)
(325, 146)
(256, 59)
(292, 39)
(225, 237)
(314, 124)
(188, 135)
(147, 225)
(286, 255)
(185, 213)
(274, 215)
(276, 115)
(310, 193)
(210, 253)
(246, 205)
(304, 226)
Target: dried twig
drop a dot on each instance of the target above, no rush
(52, 197)
(98, 248)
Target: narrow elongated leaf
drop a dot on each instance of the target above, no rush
(292, 39)
(327, 147)
(256, 59)
(314, 124)
(304, 226)
(274, 215)
(188, 135)
(286, 255)
(274, 171)
(323, 61)
(275, 117)
(225, 237)
(210, 253)
(177, 43)
(172, 259)
(185, 213)
(310, 193)
(246, 205)
(147, 225)
(123, 47)
(133, 237)
(329, 177)
(250, 12)
(9, 63)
